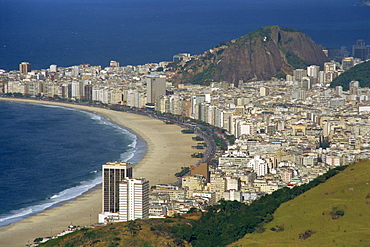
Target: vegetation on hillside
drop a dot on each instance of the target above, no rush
(332, 214)
(146, 233)
(296, 62)
(360, 72)
(229, 221)
(221, 225)
(207, 76)
(258, 33)
(289, 29)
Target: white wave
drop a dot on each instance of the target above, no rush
(54, 106)
(128, 154)
(63, 196)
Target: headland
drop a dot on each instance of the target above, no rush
(167, 151)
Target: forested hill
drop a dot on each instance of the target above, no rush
(360, 72)
(262, 54)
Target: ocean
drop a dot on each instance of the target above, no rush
(72, 32)
(50, 154)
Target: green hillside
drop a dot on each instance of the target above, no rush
(335, 213)
(138, 233)
(360, 72)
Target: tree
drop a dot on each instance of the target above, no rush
(38, 240)
(133, 227)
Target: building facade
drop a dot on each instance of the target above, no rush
(133, 199)
(113, 174)
(24, 67)
(156, 87)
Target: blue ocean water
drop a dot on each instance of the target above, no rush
(72, 32)
(50, 154)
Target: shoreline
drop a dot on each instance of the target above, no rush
(167, 151)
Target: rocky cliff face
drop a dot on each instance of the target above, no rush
(261, 54)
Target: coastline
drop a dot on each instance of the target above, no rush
(167, 151)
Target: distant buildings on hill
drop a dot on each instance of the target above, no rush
(360, 52)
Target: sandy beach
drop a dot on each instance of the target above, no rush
(168, 150)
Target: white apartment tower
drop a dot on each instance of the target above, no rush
(114, 64)
(313, 71)
(298, 74)
(53, 68)
(264, 91)
(133, 199)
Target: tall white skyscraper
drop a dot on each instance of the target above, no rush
(156, 87)
(133, 199)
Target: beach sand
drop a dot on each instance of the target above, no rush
(167, 151)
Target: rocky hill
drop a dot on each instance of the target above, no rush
(261, 54)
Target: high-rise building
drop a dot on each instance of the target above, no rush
(133, 199)
(53, 68)
(321, 77)
(299, 94)
(181, 57)
(339, 90)
(298, 74)
(313, 71)
(201, 169)
(156, 87)
(113, 174)
(24, 67)
(264, 91)
(329, 67)
(88, 91)
(114, 64)
(347, 63)
(359, 50)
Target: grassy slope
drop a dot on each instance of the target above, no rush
(118, 234)
(348, 191)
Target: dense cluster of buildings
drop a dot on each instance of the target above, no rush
(288, 131)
